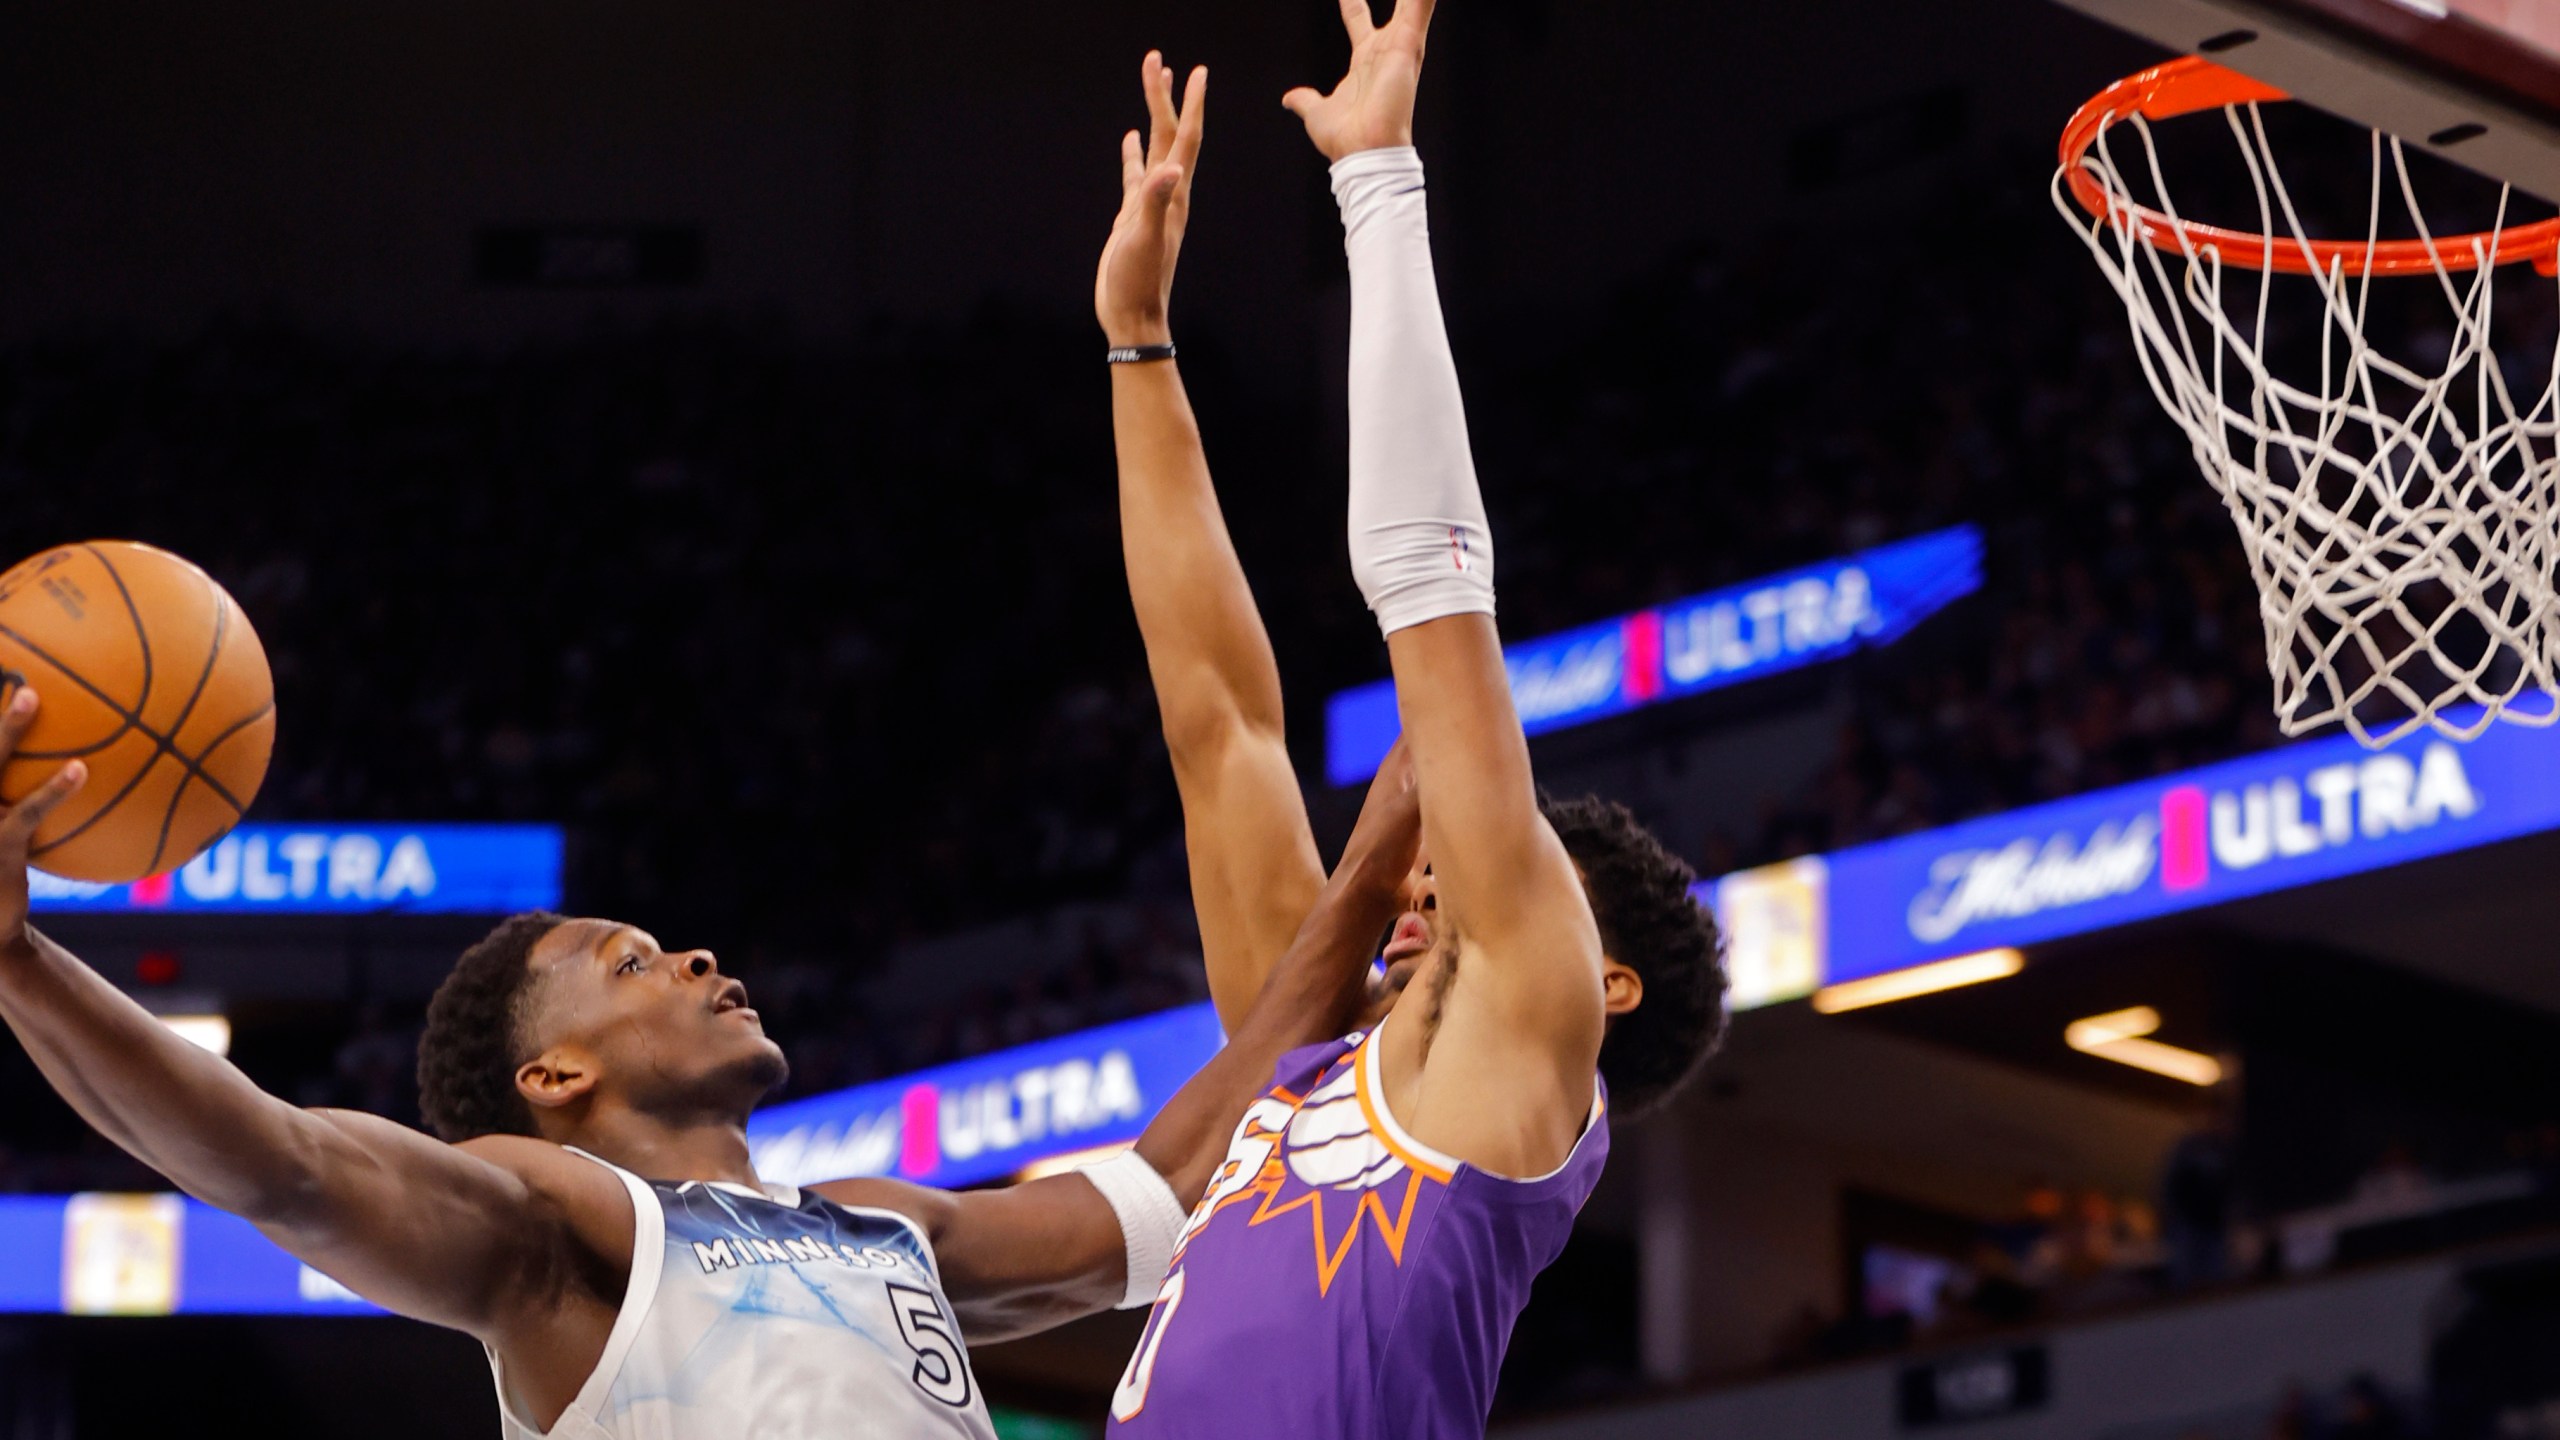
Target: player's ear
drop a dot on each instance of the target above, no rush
(1621, 988)
(555, 1078)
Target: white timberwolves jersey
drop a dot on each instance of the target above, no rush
(782, 1318)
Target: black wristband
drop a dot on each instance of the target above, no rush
(1137, 354)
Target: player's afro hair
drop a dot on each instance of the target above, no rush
(475, 1039)
(1650, 924)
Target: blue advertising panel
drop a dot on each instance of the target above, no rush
(31, 1236)
(156, 1254)
(1687, 647)
(987, 1117)
(228, 1268)
(2295, 816)
(338, 870)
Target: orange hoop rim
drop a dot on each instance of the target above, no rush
(2193, 83)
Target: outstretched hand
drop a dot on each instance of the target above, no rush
(1372, 108)
(1133, 292)
(18, 822)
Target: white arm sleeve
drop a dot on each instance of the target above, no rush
(1419, 545)
(1151, 1220)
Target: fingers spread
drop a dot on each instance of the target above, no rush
(1414, 15)
(1357, 19)
(1133, 162)
(1301, 101)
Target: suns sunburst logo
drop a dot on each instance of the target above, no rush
(1323, 1154)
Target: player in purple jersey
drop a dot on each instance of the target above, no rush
(1358, 1263)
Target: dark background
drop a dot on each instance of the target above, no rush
(685, 424)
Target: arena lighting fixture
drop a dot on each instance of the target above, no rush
(1073, 1160)
(1926, 979)
(2118, 1036)
(209, 1032)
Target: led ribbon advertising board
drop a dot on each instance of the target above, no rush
(152, 1255)
(2293, 816)
(1688, 647)
(339, 870)
(987, 1117)
(2288, 817)
(954, 1125)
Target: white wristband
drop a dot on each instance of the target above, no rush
(1151, 1220)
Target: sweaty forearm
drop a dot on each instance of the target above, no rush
(182, 1110)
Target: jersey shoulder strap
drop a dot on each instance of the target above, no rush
(648, 1262)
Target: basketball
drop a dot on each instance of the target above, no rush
(150, 674)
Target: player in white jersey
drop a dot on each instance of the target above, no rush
(591, 1215)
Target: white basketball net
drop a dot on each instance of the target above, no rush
(2398, 513)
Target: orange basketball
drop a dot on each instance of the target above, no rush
(150, 674)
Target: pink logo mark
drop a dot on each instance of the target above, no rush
(152, 890)
(919, 1131)
(2185, 862)
(1640, 639)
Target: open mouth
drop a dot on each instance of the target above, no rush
(1411, 937)
(732, 997)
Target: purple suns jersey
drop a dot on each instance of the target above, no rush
(1340, 1278)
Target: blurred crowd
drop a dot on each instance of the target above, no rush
(823, 648)
(2062, 1254)
(2363, 1408)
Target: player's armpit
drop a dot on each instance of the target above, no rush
(489, 1237)
(1505, 1081)
(1508, 1078)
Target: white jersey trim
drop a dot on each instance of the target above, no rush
(1369, 1060)
(1370, 1050)
(648, 1263)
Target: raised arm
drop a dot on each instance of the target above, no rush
(1045, 1252)
(429, 1230)
(1254, 869)
(1523, 1018)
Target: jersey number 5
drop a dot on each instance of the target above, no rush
(942, 1369)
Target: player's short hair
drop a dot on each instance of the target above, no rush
(476, 1035)
(1651, 924)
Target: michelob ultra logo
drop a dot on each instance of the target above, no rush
(2192, 832)
(932, 1123)
(311, 869)
(989, 1116)
(1686, 647)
